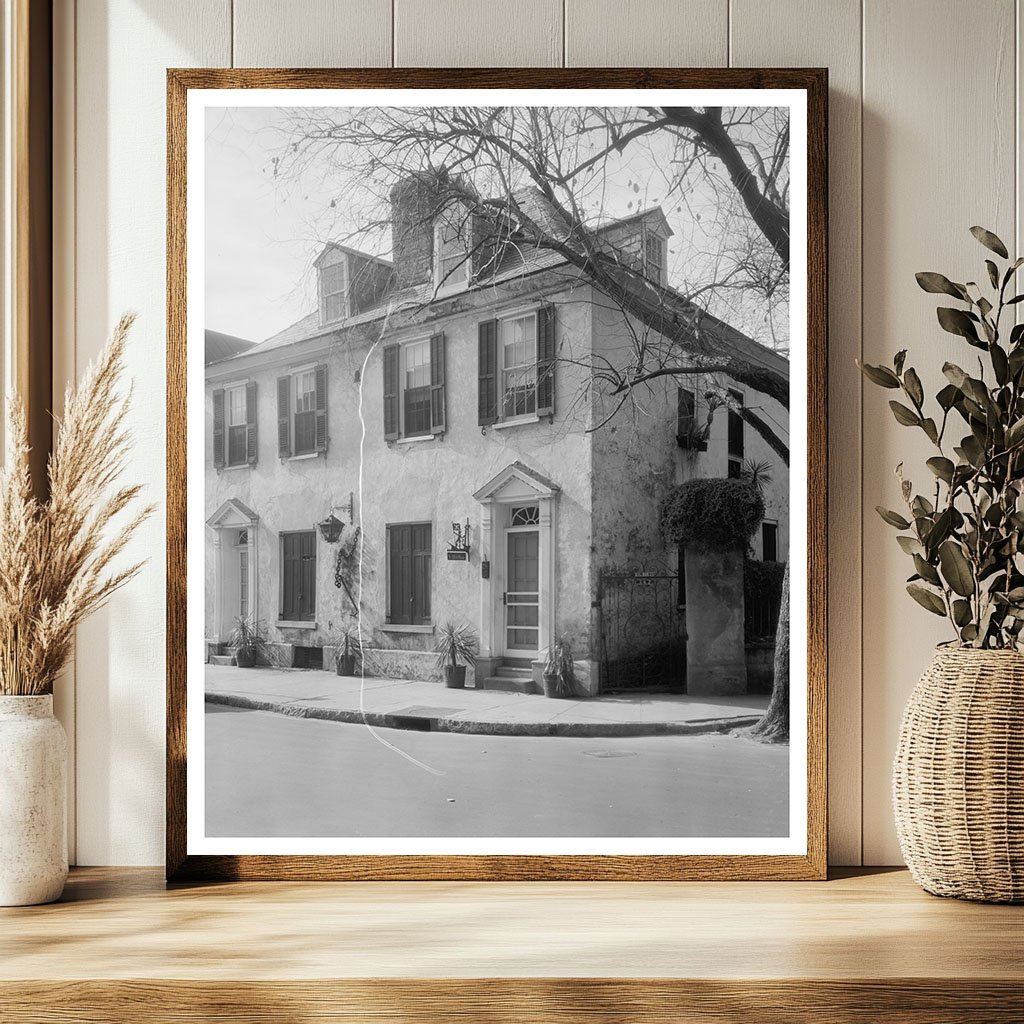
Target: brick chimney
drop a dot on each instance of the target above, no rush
(415, 202)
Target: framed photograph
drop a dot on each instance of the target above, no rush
(496, 474)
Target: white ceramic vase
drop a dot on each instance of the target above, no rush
(33, 797)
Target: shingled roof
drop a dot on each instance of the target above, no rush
(518, 260)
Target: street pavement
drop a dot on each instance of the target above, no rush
(409, 704)
(273, 775)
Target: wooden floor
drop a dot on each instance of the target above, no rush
(869, 947)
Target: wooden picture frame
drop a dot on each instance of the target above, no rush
(811, 864)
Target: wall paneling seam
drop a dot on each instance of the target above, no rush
(565, 33)
(728, 34)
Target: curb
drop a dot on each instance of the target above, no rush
(423, 723)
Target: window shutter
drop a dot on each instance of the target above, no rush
(321, 407)
(284, 417)
(391, 383)
(487, 371)
(735, 421)
(250, 423)
(437, 381)
(686, 411)
(400, 573)
(290, 584)
(421, 553)
(307, 576)
(218, 428)
(546, 361)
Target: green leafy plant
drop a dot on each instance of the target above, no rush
(559, 663)
(759, 473)
(348, 646)
(965, 531)
(455, 645)
(712, 514)
(249, 639)
(348, 641)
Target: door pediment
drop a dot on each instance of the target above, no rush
(231, 515)
(516, 482)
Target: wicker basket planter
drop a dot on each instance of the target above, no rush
(958, 776)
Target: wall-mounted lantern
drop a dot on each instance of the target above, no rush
(330, 529)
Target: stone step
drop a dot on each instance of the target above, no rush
(221, 659)
(509, 684)
(513, 672)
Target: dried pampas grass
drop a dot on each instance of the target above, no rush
(56, 556)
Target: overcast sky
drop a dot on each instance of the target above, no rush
(262, 234)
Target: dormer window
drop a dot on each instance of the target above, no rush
(333, 291)
(654, 257)
(452, 245)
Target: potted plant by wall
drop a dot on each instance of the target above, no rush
(560, 670)
(57, 564)
(249, 642)
(456, 648)
(958, 794)
(349, 648)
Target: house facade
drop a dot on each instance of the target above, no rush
(428, 446)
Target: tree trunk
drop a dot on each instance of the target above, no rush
(774, 726)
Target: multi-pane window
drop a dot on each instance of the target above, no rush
(451, 248)
(333, 305)
(525, 515)
(516, 367)
(234, 425)
(654, 258)
(518, 342)
(416, 388)
(735, 440)
(409, 571)
(302, 412)
(237, 425)
(298, 576)
(305, 412)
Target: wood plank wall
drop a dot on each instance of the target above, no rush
(925, 141)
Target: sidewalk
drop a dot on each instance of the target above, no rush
(405, 704)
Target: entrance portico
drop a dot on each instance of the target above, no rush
(235, 590)
(517, 543)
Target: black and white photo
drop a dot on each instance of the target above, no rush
(497, 438)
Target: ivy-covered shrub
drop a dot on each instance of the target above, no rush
(712, 514)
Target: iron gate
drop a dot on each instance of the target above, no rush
(643, 633)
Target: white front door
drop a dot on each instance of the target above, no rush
(522, 593)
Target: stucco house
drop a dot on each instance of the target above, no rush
(438, 411)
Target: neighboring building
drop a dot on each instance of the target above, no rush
(446, 400)
(223, 346)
